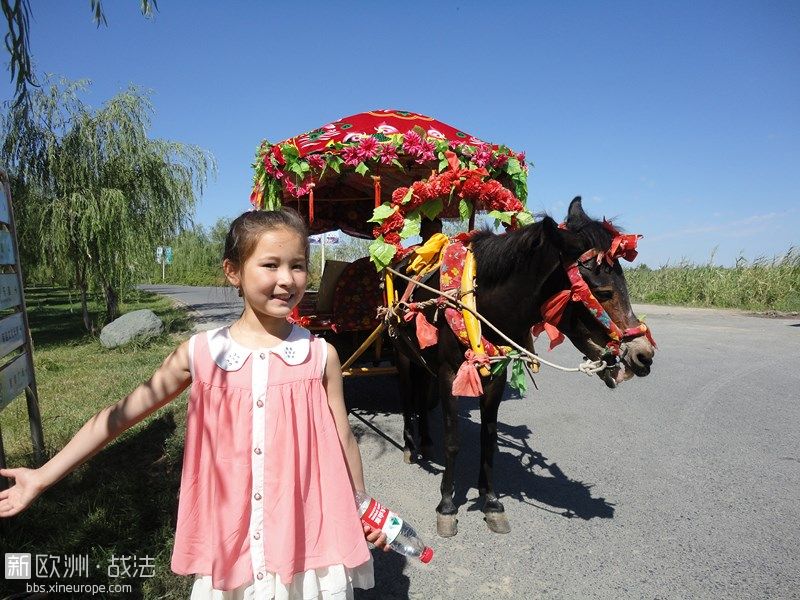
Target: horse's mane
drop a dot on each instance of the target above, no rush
(498, 256)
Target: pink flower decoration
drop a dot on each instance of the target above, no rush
(368, 148)
(412, 143)
(483, 154)
(427, 152)
(388, 153)
(315, 161)
(499, 160)
(350, 156)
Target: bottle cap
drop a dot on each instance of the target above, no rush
(427, 555)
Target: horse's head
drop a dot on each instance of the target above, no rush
(599, 319)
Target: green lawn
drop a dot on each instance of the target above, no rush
(122, 502)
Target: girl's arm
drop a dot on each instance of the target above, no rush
(171, 378)
(333, 388)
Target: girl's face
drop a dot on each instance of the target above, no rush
(273, 278)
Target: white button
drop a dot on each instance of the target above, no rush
(257, 450)
(257, 496)
(256, 536)
(259, 404)
(262, 356)
(260, 576)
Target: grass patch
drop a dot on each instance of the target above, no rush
(122, 502)
(759, 285)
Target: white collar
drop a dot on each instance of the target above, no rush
(230, 355)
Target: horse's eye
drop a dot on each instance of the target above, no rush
(603, 294)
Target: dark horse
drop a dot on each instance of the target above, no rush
(517, 273)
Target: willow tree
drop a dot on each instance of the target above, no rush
(95, 193)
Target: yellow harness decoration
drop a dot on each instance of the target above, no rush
(471, 322)
(429, 255)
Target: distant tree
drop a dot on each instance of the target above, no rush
(17, 38)
(94, 193)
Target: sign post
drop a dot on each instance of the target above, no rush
(164, 257)
(16, 373)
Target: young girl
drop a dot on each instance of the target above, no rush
(270, 464)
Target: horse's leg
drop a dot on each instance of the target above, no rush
(446, 522)
(494, 513)
(426, 387)
(407, 395)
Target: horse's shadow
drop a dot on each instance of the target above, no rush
(520, 472)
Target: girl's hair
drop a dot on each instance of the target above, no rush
(248, 228)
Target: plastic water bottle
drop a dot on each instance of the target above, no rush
(400, 536)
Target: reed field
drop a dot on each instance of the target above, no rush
(760, 285)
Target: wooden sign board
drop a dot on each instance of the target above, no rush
(9, 291)
(14, 378)
(12, 333)
(5, 212)
(7, 254)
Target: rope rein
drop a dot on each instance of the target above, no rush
(451, 299)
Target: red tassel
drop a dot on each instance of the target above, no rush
(468, 381)
(376, 180)
(427, 334)
(311, 203)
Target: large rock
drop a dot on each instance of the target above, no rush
(143, 323)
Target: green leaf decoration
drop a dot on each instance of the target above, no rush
(443, 164)
(334, 162)
(398, 164)
(518, 376)
(524, 218)
(290, 152)
(512, 166)
(381, 253)
(362, 168)
(432, 209)
(498, 367)
(381, 212)
(297, 169)
(464, 209)
(407, 196)
(502, 216)
(411, 226)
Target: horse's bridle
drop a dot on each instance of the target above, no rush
(622, 246)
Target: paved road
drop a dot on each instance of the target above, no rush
(685, 484)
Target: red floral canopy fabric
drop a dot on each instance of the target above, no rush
(385, 122)
(379, 173)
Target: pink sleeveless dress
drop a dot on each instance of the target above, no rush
(266, 506)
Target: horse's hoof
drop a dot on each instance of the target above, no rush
(497, 522)
(408, 456)
(446, 525)
(427, 452)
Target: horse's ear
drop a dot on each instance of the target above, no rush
(575, 213)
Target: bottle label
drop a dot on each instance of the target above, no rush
(378, 516)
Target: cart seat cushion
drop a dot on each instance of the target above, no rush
(327, 285)
(358, 296)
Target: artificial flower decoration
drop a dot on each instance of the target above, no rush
(441, 171)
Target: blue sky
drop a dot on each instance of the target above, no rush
(680, 119)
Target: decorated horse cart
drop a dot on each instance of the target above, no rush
(462, 311)
(381, 175)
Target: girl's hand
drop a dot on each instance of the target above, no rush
(19, 496)
(376, 537)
